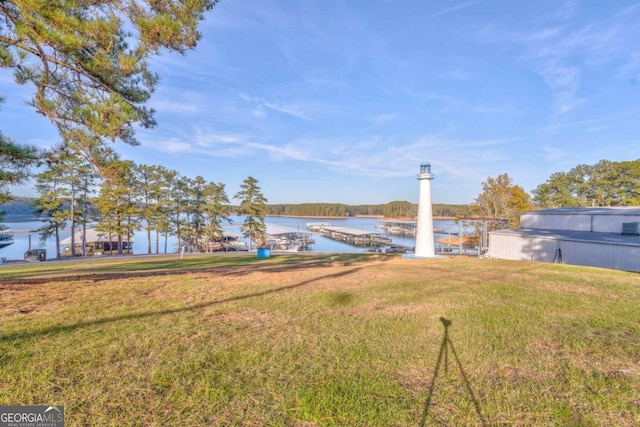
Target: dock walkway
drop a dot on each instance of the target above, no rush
(354, 236)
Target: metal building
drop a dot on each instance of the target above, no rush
(598, 237)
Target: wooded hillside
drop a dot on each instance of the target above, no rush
(395, 209)
(19, 206)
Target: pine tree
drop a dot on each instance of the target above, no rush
(253, 206)
(147, 189)
(115, 203)
(216, 210)
(167, 180)
(50, 205)
(64, 187)
(180, 209)
(89, 60)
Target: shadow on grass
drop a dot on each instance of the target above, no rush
(223, 265)
(134, 316)
(447, 345)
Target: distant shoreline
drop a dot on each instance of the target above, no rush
(381, 217)
(323, 216)
(26, 218)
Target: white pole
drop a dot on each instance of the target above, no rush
(425, 245)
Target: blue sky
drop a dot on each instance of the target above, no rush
(340, 101)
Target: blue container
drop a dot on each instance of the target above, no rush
(264, 253)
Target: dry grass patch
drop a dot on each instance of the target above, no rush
(315, 341)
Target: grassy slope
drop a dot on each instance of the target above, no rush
(314, 341)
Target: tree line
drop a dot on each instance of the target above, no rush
(605, 183)
(129, 197)
(394, 209)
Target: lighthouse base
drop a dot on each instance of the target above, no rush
(414, 256)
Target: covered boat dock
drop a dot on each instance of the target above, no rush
(96, 243)
(286, 238)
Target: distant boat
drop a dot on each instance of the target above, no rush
(6, 238)
(317, 226)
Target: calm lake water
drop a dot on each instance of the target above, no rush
(322, 244)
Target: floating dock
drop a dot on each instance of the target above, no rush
(355, 237)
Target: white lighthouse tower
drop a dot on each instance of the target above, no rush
(425, 246)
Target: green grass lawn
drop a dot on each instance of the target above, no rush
(321, 340)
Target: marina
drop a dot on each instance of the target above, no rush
(308, 227)
(280, 237)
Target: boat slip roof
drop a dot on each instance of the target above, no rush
(274, 230)
(94, 235)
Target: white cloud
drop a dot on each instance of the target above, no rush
(553, 154)
(567, 9)
(506, 109)
(206, 139)
(542, 35)
(202, 142)
(561, 49)
(455, 8)
(381, 119)
(564, 82)
(457, 74)
(631, 67)
(165, 106)
(386, 158)
(291, 109)
(173, 146)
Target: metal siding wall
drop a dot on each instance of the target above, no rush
(544, 249)
(601, 255)
(601, 223)
(570, 222)
(536, 249)
(529, 220)
(612, 223)
(577, 253)
(522, 248)
(556, 222)
(496, 246)
(616, 257)
(629, 260)
(506, 247)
